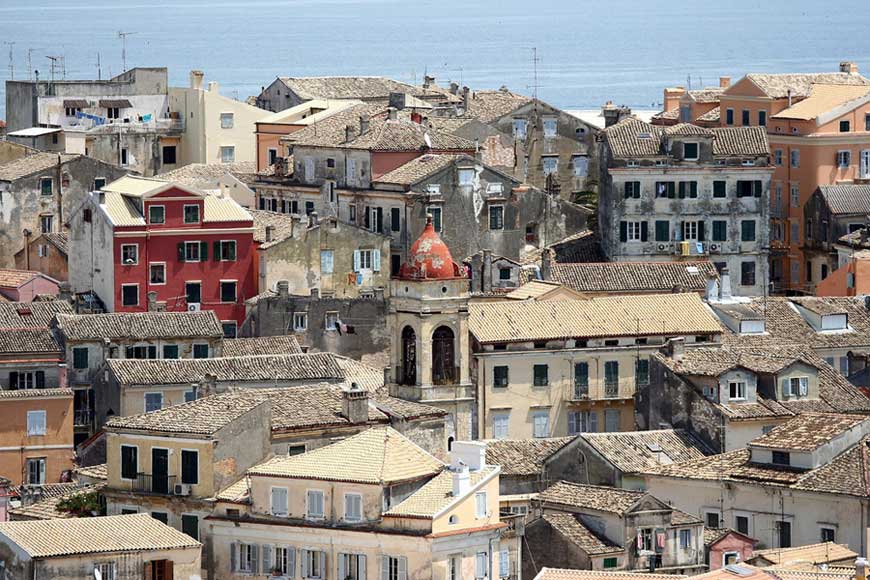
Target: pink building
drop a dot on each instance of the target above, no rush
(24, 285)
(725, 546)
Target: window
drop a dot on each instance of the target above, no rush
(153, 402)
(351, 566)
(845, 127)
(762, 118)
(581, 165)
(688, 189)
(777, 156)
(170, 351)
(685, 539)
(283, 560)
(247, 560)
(71, 111)
(156, 214)
(632, 189)
(504, 564)
(844, 159)
(795, 158)
(36, 471)
(124, 156)
(610, 563)
(191, 251)
(226, 120)
(541, 424)
(46, 185)
(504, 273)
(189, 466)
(796, 387)
(225, 250)
(35, 423)
(394, 568)
(228, 291)
(193, 292)
(581, 380)
(106, 569)
(191, 214)
(129, 461)
(27, 380)
(611, 376)
(480, 505)
(496, 217)
(633, 231)
(113, 112)
(130, 295)
(745, 117)
(729, 116)
(466, 177)
(169, 155)
(45, 223)
(711, 519)
(309, 207)
(228, 154)
(352, 507)
(550, 126)
(279, 501)
(500, 425)
(780, 458)
(435, 212)
(747, 231)
(157, 273)
(395, 219)
(314, 504)
(720, 230)
(541, 375)
(747, 273)
(641, 371)
(80, 357)
(519, 126)
(300, 321)
(690, 151)
(737, 390)
(500, 376)
(665, 189)
(844, 366)
(190, 525)
(741, 524)
(828, 534)
(200, 351)
(129, 254)
(481, 567)
(783, 530)
(550, 164)
(663, 231)
(719, 189)
(747, 188)
(273, 156)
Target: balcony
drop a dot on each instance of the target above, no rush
(580, 393)
(611, 390)
(83, 417)
(149, 483)
(691, 248)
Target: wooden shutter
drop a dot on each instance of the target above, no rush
(203, 251)
(644, 231)
(147, 571)
(255, 558)
(181, 254)
(267, 558)
(623, 231)
(356, 260)
(304, 555)
(322, 556)
(700, 230)
(757, 187)
(13, 379)
(234, 557)
(376, 260)
(785, 389)
(291, 561)
(40, 379)
(572, 423)
(385, 568)
(361, 568)
(168, 569)
(342, 566)
(217, 251)
(593, 422)
(403, 568)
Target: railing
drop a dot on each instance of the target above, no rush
(149, 483)
(611, 390)
(581, 392)
(83, 417)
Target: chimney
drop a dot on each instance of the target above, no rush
(470, 454)
(461, 480)
(861, 568)
(486, 278)
(848, 67)
(725, 285)
(672, 97)
(465, 92)
(213, 87)
(547, 258)
(152, 301)
(397, 100)
(789, 97)
(676, 348)
(348, 133)
(428, 82)
(196, 77)
(724, 82)
(712, 293)
(355, 404)
(476, 271)
(283, 287)
(363, 124)
(207, 386)
(392, 113)
(312, 219)
(270, 232)
(454, 88)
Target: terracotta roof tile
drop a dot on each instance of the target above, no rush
(563, 574)
(523, 456)
(821, 553)
(800, 84)
(572, 528)
(47, 508)
(31, 314)
(261, 345)
(632, 451)
(628, 277)
(593, 497)
(29, 340)
(435, 495)
(847, 198)
(417, 169)
(808, 431)
(490, 106)
(56, 393)
(30, 164)
(12, 278)
(139, 325)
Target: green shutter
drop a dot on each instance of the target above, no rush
(216, 246)
(181, 251)
(203, 251)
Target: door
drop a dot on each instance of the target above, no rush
(865, 164)
(160, 470)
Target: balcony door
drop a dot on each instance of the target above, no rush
(160, 470)
(865, 164)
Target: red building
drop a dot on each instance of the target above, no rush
(194, 250)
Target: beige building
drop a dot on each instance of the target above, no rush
(217, 129)
(371, 506)
(555, 368)
(128, 547)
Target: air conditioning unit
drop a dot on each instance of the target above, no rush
(193, 307)
(181, 489)
(664, 247)
(714, 248)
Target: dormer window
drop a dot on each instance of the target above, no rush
(690, 151)
(796, 387)
(781, 458)
(737, 390)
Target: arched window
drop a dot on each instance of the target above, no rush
(408, 374)
(443, 360)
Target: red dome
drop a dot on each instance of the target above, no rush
(430, 258)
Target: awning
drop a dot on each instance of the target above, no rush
(115, 103)
(75, 103)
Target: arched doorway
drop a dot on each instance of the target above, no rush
(443, 359)
(409, 357)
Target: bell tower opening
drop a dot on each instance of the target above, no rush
(409, 357)
(443, 359)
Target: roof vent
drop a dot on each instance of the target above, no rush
(644, 135)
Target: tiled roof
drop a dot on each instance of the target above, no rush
(714, 361)
(33, 163)
(12, 278)
(594, 497)
(634, 138)
(688, 130)
(108, 534)
(648, 314)
(707, 95)
(47, 508)
(847, 198)
(289, 367)
(351, 87)
(238, 492)
(739, 141)
(629, 277)
(670, 115)
(417, 169)
(823, 99)
(262, 345)
(36, 393)
(140, 325)
(711, 116)
(366, 376)
(405, 410)
(534, 289)
(375, 456)
(490, 106)
(58, 240)
(632, 451)
(808, 431)
(28, 340)
(584, 246)
(572, 528)
(206, 175)
(435, 495)
(821, 553)
(31, 314)
(800, 85)
(564, 574)
(99, 471)
(523, 456)
(281, 223)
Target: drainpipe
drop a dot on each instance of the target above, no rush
(27, 234)
(59, 191)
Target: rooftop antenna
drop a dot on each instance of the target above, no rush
(534, 86)
(54, 64)
(123, 36)
(11, 62)
(30, 64)
(99, 68)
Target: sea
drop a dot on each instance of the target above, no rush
(574, 54)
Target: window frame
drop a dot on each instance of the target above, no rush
(181, 477)
(356, 497)
(135, 449)
(227, 283)
(187, 252)
(125, 248)
(151, 219)
(33, 425)
(75, 357)
(151, 266)
(189, 206)
(496, 212)
(286, 493)
(227, 153)
(741, 392)
(697, 154)
(327, 326)
(541, 380)
(224, 117)
(303, 316)
(496, 380)
(145, 401)
(123, 298)
(308, 514)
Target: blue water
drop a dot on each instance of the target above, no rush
(589, 51)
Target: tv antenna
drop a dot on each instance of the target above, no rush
(11, 62)
(56, 61)
(30, 64)
(99, 68)
(123, 36)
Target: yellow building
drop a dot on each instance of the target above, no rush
(371, 506)
(562, 367)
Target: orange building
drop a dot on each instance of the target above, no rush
(819, 132)
(36, 435)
